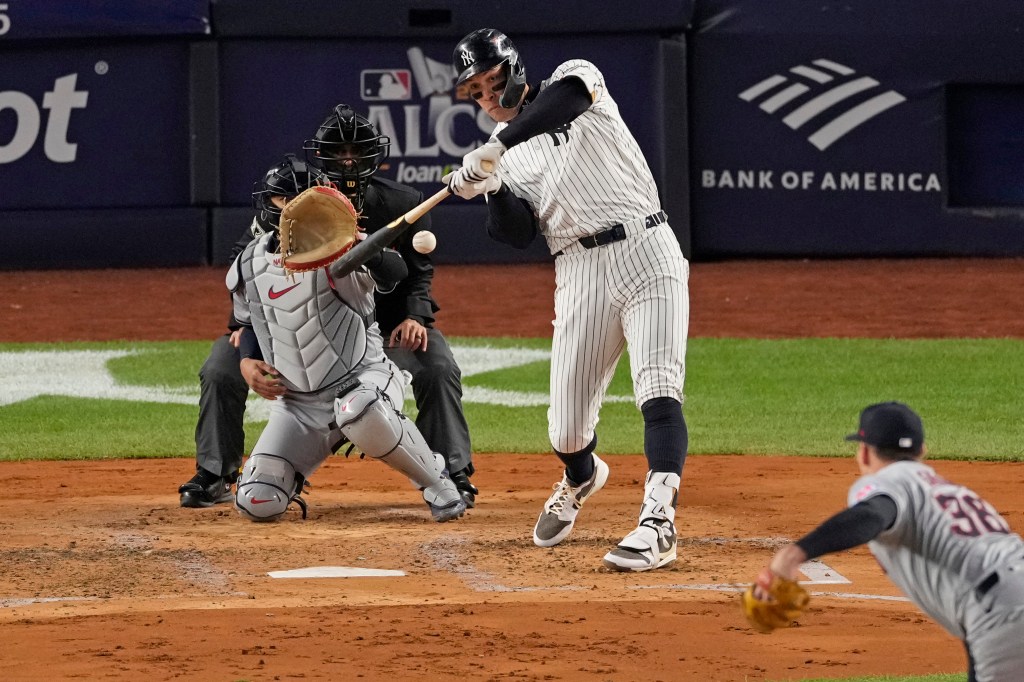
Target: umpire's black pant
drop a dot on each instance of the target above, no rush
(436, 386)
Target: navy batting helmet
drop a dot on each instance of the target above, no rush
(287, 179)
(484, 49)
(350, 150)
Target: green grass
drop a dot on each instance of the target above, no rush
(752, 396)
(744, 396)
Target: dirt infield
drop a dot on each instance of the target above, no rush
(105, 577)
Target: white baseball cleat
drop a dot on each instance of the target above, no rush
(560, 510)
(652, 544)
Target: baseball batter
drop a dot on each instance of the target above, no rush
(562, 162)
(948, 549)
(311, 333)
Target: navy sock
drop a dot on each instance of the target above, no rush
(665, 435)
(579, 466)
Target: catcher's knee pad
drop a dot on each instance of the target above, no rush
(267, 486)
(367, 418)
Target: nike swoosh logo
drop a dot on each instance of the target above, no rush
(256, 500)
(278, 294)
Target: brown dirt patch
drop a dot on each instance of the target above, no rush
(763, 299)
(106, 577)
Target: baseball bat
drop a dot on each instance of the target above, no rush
(386, 236)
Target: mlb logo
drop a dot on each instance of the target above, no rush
(386, 84)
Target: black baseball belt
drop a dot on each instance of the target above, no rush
(616, 233)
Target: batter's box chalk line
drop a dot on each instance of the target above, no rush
(10, 602)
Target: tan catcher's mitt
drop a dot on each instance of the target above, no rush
(317, 228)
(785, 602)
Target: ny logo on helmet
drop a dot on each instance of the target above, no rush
(467, 58)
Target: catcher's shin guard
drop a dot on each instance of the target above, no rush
(267, 486)
(653, 543)
(366, 417)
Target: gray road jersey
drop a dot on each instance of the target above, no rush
(945, 539)
(311, 326)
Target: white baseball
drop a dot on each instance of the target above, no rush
(424, 242)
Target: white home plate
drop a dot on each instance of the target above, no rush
(335, 572)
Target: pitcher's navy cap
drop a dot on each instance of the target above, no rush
(890, 425)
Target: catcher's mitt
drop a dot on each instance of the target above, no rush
(786, 601)
(317, 227)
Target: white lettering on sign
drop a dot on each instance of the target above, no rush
(60, 102)
(829, 181)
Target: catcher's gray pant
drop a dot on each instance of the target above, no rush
(302, 429)
(437, 388)
(220, 437)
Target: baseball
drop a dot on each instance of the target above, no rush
(424, 242)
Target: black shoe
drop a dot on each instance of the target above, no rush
(466, 489)
(205, 490)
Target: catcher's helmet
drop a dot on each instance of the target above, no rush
(287, 179)
(484, 49)
(350, 150)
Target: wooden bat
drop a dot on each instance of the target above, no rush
(386, 236)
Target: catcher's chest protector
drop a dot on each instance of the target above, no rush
(305, 331)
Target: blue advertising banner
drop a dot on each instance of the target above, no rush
(825, 132)
(94, 127)
(57, 19)
(275, 94)
(418, 20)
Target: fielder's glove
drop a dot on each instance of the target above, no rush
(482, 162)
(461, 185)
(782, 604)
(317, 228)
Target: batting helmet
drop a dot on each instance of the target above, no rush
(287, 179)
(350, 150)
(484, 49)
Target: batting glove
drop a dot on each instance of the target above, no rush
(483, 161)
(461, 185)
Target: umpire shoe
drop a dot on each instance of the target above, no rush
(653, 543)
(560, 510)
(466, 489)
(206, 489)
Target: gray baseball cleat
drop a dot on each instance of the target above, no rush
(560, 510)
(652, 544)
(445, 500)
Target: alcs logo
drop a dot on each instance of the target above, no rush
(60, 101)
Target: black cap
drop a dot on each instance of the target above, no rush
(890, 425)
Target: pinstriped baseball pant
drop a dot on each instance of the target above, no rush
(629, 294)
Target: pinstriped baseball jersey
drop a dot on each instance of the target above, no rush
(945, 542)
(585, 176)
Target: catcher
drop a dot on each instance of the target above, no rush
(948, 549)
(308, 333)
